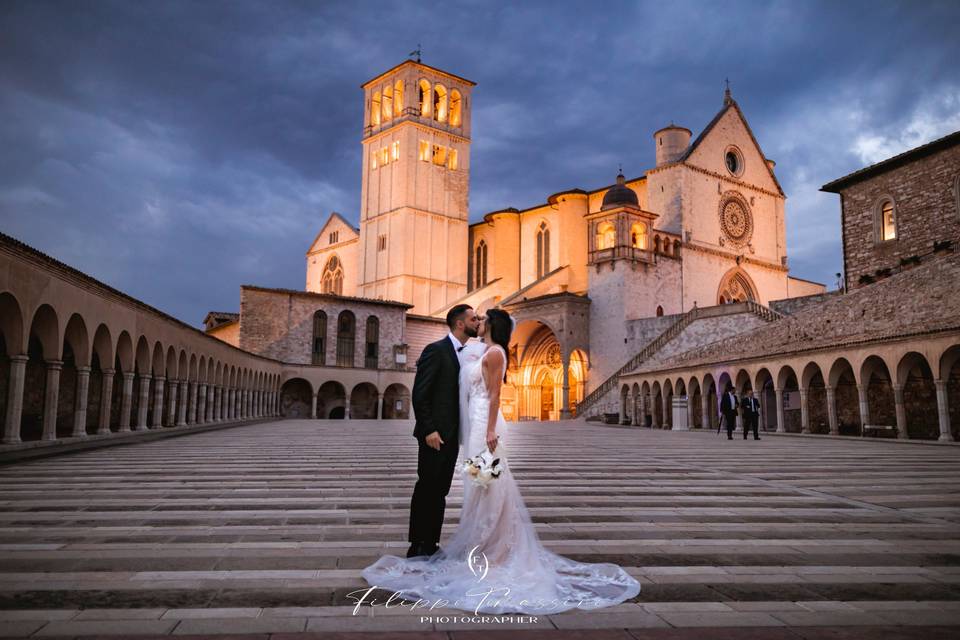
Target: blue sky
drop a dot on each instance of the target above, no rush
(176, 150)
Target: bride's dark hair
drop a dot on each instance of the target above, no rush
(499, 328)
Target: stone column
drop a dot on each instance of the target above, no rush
(172, 404)
(781, 422)
(161, 383)
(126, 402)
(106, 401)
(11, 423)
(51, 398)
(565, 392)
(664, 413)
(218, 403)
(691, 423)
(211, 391)
(832, 411)
(943, 410)
(228, 398)
(202, 403)
(80, 405)
(901, 411)
(313, 405)
(804, 412)
(144, 393)
(705, 410)
(864, 407)
(182, 403)
(194, 392)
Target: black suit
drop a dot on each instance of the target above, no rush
(728, 407)
(436, 403)
(751, 417)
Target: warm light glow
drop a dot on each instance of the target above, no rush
(455, 108)
(375, 110)
(638, 235)
(452, 162)
(387, 103)
(425, 100)
(398, 98)
(606, 235)
(889, 229)
(439, 155)
(395, 150)
(439, 103)
(424, 153)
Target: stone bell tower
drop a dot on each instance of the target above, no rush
(414, 192)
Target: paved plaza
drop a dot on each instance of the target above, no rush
(262, 530)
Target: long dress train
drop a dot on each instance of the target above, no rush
(494, 562)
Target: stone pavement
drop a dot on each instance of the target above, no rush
(262, 530)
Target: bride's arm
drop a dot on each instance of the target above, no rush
(493, 368)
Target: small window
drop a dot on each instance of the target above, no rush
(425, 99)
(387, 103)
(424, 153)
(638, 235)
(439, 103)
(456, 108)
(382, 242)
(374, 157)
(395, 150)
(333, 237)
(398, 99)
(659, 311)
(606, 235)
(452, 160)
(734, 161)
(888, 226)
(439, 155)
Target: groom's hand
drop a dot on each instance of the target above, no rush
(434, 440)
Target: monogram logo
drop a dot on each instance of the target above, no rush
(478, 563)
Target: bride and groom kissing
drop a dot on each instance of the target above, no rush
(456, 399)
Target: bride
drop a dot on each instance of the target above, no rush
(495, 563)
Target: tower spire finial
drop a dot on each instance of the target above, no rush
(727, 97)
(416, 52)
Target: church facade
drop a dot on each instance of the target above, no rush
(592, 276)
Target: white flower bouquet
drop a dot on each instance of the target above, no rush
(483, 468)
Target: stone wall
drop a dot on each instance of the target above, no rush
(278, 323)
(789, 306)
(925, 208)
(421, 331)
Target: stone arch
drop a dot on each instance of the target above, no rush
(667, 391)
(636, 404)
(948, 373)
(788, 382)
(696, 403)
(396, 402)
(877, 402)
(712, 399)
(736, 285)
(332, 401)
(742, 382)
(842, 378)
(814, 387)
(364, 399)
(11, 324)
(919, 396)
(764, 389)
(656, 405)
(296, 398)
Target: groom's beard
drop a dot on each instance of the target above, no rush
(471, 333)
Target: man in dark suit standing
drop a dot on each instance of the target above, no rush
(728, 407)
(436, 403)
(751, 415)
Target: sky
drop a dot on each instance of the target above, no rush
(176, 150)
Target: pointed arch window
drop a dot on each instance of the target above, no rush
(319, 338)
(371, 353)
(346, 338)
(481, 264)
(606, 235)
(439, 103)
(375, 107)
(456, 108)
(426, 100)
(543, 250)
(332, 279)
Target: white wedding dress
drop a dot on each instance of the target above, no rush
(508, 571)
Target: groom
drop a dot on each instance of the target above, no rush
(436, 403)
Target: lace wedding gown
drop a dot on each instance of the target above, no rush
(495, 563)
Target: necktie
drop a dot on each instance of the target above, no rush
(461, 348)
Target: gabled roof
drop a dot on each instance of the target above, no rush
(220, 318)
(910, 155)
(416, 63)
(333, 215)
(730, 103)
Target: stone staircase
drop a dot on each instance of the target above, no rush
(674, 330)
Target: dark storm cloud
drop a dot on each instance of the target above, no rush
(178, 149)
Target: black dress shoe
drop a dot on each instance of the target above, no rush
(429, 549)
(416, 549)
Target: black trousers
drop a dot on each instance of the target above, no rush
(730, 420)
(751, 421)
(429, 501)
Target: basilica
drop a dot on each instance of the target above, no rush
(592, 275)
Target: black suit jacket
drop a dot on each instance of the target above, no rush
(728, 405)
(436, 391)
(748, 405)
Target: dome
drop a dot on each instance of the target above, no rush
(619, 195)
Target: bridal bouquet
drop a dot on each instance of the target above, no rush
(483, 468)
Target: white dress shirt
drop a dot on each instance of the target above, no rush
(456, 346)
